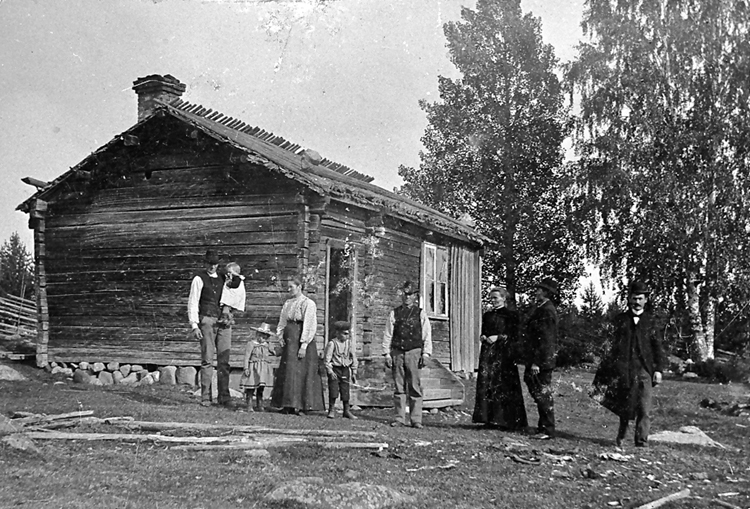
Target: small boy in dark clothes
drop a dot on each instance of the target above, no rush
(341, 366)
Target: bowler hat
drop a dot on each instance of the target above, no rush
(548, 284)
(410, 288)
(212, 257)
(638, 288)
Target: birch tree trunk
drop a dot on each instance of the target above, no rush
(710, 326)
(699, 349)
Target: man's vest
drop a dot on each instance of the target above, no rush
(208, 304)
(407, 329)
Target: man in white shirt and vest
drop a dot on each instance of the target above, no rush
(407, 344)
(203, 314)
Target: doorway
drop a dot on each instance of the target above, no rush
(340, 277)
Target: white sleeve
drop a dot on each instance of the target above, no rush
(388, 333)
(196, 287)
(309, 322)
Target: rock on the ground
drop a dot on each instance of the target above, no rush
(113, 366)
(97, 367)
(131, 379)
(141, 373)
(10, 374)
(81, 376)
(106, 378)
(117, 377)
(689, 374)
(168, 375)
(57, 369)
(6, 426)
(353, 495)
(21, 442)
(156, 375)
(686, 435)
(84, 365)
(136, 368)
(186, 375)
(146, 380)
(125, 370)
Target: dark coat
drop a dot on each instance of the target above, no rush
(617, 372)
(541, 337)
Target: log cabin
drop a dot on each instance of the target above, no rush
(118, 237)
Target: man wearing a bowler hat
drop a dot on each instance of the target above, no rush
(632, 366)
(203, 314)
(541, 353)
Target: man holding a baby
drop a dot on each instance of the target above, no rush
(211, 304)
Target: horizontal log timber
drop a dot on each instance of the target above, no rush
(188, 224)
(147, 293)
(262, 280)
(276, 212)
(127, 200)
(193, 254)
(265, 261)
(144, 319)
(189, 237)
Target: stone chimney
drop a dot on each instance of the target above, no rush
(155, 87)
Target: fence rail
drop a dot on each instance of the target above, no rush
(17, 316)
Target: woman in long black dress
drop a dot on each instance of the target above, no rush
(499, 398)
(298, 386)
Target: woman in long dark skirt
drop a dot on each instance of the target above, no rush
(499, 398)
(298, 386)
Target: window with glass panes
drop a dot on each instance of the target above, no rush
(435, 280)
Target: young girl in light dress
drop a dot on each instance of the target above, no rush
(258, 370)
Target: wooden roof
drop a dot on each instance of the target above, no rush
(264, 148)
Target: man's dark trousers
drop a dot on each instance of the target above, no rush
(540, 388)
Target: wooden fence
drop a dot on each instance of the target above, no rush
(17, 317)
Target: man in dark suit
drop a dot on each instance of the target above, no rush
(541, 351)
(632, 366)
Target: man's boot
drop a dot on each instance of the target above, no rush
(348, 411)
(331, 411)
(249, 401)
(259, 401)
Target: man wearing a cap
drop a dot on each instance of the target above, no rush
(632, 366)
(203, 313)
(541, 353)
(407, 344)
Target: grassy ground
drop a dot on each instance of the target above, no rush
(109, 474)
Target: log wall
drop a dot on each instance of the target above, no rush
(121, 251)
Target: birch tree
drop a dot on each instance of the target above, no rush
(662, 135)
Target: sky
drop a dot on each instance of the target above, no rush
(342, 77)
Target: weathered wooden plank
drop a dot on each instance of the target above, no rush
(187, 237)
(276, 213)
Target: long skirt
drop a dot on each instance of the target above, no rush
(499, 398)
(298, 384)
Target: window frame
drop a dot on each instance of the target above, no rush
(433, 271)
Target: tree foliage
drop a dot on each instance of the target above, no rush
(493, 146)
(16, 268)
(664, 174)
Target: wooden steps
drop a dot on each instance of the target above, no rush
(441, 387)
